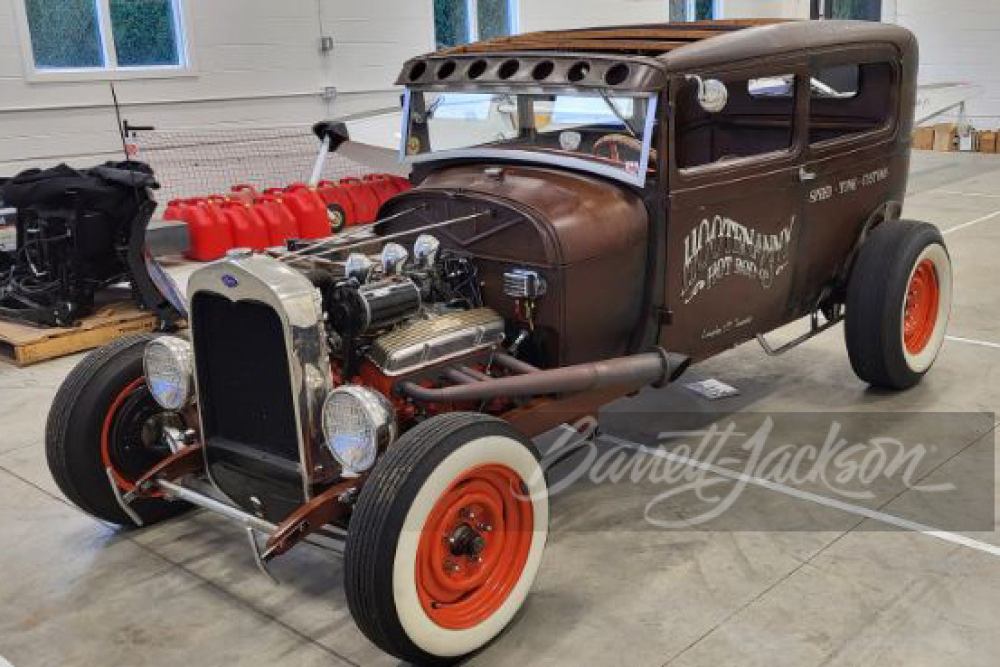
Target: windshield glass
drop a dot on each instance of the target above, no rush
(601, 132)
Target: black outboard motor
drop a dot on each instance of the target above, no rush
(77, 232)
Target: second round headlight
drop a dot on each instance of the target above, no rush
(357, 424)
(167, 363)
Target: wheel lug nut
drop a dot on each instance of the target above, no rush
(451, 566)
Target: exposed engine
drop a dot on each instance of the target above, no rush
(308, 363)
(401, 314)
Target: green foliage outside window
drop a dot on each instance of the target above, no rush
(64, 33)
(451, 22)
(866, 10)
(144, 32)
(704, 10)
(494, 18)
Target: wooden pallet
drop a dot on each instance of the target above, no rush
(24, 345)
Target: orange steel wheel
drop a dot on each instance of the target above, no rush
(474, 546)
(921, 309)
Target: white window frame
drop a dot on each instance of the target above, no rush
(110, 71)
(689, 10)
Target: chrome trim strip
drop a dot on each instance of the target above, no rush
(298, 305)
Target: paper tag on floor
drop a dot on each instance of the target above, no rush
(712, 389)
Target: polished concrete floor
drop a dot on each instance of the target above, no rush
(783, 578)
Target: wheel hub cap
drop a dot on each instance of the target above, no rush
(920, 310)
(474, 546)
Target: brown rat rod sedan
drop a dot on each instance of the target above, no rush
(593, 211)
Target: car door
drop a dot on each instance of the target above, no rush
(735, 206)
(856, 165)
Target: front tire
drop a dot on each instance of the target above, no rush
(446, 538)
(898, 304)
(98, 420)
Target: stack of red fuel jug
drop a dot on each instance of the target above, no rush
(246, 218)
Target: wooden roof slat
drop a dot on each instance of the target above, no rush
(583, 45)
(652, 39)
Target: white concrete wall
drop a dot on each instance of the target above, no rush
(959, 41)
(257, 62)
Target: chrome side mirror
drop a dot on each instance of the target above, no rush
(712, 93)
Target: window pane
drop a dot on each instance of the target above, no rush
(144, 32)
(494, 18)
(758, 119)
(451, 22)
(841, 81)
(850, 100)
(704, 10)
(866, 10)
(64, 33)
(678, 10)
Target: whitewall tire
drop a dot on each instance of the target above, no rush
(446, 538)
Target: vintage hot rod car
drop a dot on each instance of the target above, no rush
(593, 210)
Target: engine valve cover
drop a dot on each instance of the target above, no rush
(428, 341)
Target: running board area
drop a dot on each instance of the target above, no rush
(815, 328)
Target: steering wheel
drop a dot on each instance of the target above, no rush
(613, 142)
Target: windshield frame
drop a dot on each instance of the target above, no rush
(538, 156)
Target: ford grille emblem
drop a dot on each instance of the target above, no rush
(229, 281)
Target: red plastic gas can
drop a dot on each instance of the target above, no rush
(364, 198)
(335, 196)
(209, 233)
(249, 231)
(309, 210)
(281, 224)
(245, 193)
(385, 188)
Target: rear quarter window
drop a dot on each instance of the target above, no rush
(851, 100)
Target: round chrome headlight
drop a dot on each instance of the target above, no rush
(168, 368)
(357, 424)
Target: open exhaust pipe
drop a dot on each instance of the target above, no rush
(654, 368)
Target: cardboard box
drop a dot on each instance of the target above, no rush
(946, 137)
(923, 138)
(988, 141)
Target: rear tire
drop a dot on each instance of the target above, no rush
(898, 304)
(103, 400)
(444, 544)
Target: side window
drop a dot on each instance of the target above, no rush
(758, 119)
(850, 100)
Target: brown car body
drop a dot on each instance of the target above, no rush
(623, 281)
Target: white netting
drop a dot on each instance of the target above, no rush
(197, 163)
